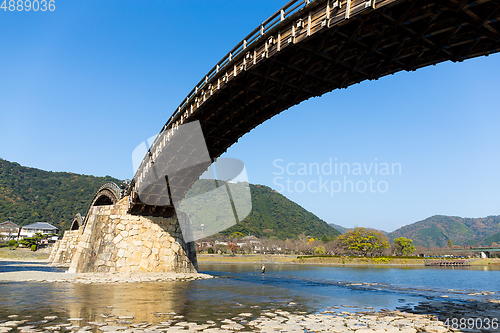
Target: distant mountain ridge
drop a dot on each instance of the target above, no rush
(340, 228)
(436, 230)
(29, 195)
(344, 229)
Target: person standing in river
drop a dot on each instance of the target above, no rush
(263, 269)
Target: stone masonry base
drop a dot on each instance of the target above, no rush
(113, 241)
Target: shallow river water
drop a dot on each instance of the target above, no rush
(242, 288)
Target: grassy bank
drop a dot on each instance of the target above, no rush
(247, 259)
(362, 261)
(23, 254)
(26, 254)
(319, 260)
(304, 260)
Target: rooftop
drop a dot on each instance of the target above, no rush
(8, 225)
(40, 225)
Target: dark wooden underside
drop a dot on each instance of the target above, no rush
(405, 35)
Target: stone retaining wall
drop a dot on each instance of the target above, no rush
(64, 249)
(114, 241)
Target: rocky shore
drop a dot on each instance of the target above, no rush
(42, 271)
(89, 278)
(435, 317)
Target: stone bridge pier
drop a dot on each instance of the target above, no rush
(109, 239)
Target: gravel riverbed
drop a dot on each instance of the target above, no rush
(277, 320)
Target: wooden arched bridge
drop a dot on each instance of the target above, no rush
(308, 48)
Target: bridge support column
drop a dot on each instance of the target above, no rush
(114, 241)
(64, 249)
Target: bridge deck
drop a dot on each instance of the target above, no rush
(309, 48)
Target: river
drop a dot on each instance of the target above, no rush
(242, 288)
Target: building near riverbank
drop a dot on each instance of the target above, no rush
(8, 229)
(39, 227)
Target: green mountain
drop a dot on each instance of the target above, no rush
(29, 195)
(435, 231)
(495, 238)
(272, 215)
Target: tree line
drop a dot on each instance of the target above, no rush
(355, 242)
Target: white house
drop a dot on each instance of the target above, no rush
(9, 229)
(41, 227)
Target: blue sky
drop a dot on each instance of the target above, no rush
(82, 86)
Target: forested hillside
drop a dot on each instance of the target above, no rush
(273, 215)
(29, 195)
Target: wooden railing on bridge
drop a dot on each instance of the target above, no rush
(268, 38)
(249, 41)
(240, 58)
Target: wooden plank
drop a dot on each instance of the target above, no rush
(286, 37)
(358, 8)
(249, 59)
(300, 29)
(240, 66)
(260, 52)
(318, 20)
(338, 14)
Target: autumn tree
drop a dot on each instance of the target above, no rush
(403, 246)
(233, 247)
(363, 240)
(319, 250)
(237, 235)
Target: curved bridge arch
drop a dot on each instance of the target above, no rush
(311, 47)
(77, 222)
(107, 194)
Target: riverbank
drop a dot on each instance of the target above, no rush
(27, 268)
(95, 278)
(21, 254)
(335, 261)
